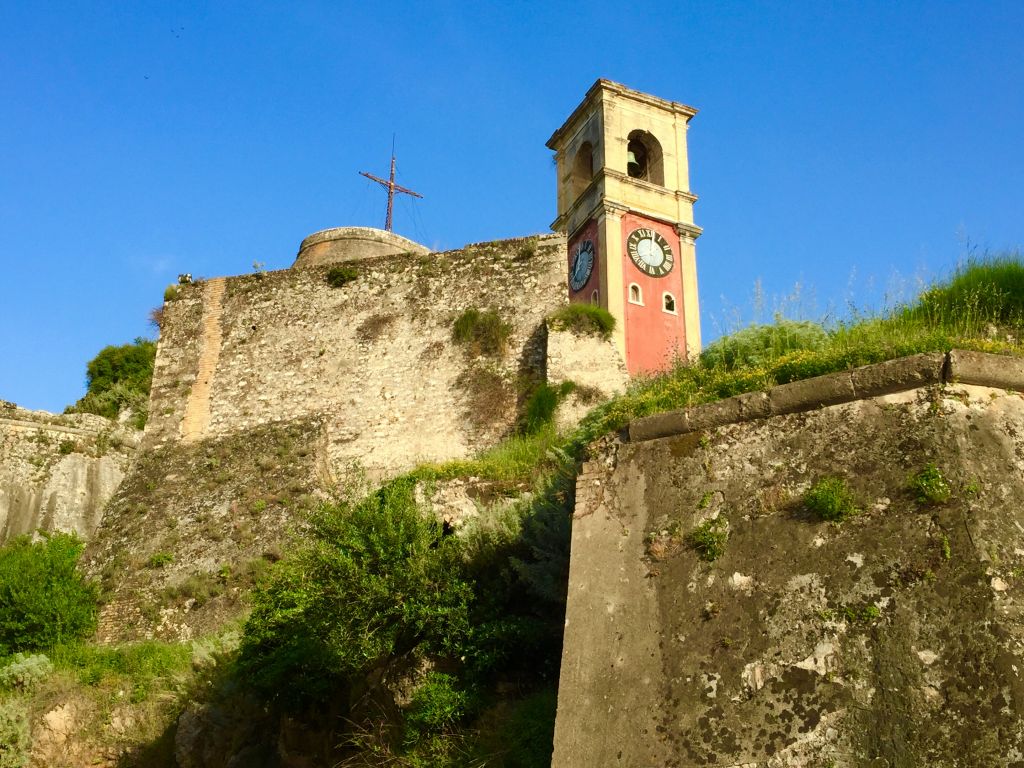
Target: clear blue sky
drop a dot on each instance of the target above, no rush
(837, 144)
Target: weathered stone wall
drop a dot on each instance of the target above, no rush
(593, 364)
(894, 638)
(374, 359)
(57, 472)
(193, 524)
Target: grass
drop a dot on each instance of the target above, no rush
(583, 319)
(832, 500)
(481, 332)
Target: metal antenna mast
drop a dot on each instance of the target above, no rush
(390, 186)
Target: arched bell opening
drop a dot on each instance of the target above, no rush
(644, 159)
(582, 169)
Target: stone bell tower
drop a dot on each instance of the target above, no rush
(625, 205)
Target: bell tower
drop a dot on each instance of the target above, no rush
(625, 205)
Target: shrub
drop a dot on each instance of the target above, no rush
(341, 276)
(709, 538)
(66, 447)
(43, 598)
(171, 292)
(15, 739)
(25, 671)
(437, 706)
(119, 378)
(583, 318)
(376, 580)
(760, 344)
(929, 486)
(481, 332)
(831, 499)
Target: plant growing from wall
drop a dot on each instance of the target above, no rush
(583, 319)
(929, 486)
(340, 276)
(831, 499)
(481, 332)
(709, 538)
(119, 379)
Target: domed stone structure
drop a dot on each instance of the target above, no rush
(340, 244)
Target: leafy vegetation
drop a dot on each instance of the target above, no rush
(709, 538)
(831, 499)
(341, 275)
(44, 601)
(540, 406)
(930, 486)
(481, 332)
(119, 379)
(15, 740)
(583, 318)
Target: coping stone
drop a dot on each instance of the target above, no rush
(898, 375)
(659, 425)
(796, 396)
(980, 368)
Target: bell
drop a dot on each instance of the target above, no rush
(631, 158)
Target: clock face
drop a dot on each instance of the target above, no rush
(650, 252)
(582, 265)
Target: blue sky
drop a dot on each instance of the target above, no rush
(842, 149)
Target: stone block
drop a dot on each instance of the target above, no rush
(830, 389)
(659, 425)
(980, 368)
(898, 375)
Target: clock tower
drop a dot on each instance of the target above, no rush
(625, 205)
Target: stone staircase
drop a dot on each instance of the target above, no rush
(196, 421)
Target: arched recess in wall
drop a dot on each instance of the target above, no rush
(644, 158)
(582, 169)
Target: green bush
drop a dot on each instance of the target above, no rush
(437, 706)
(171, 293)
(119, 378)
(376, 581)
(25, 671)
(831, 499)
(929, 486)
(709, 538)
(44, 600)
(341, 276)
(761, 344)
(15, 738)
(482, 332)
(583, 318)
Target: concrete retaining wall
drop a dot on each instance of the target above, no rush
(868, 381)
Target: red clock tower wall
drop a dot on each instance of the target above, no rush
(592, 290)
(654, 317)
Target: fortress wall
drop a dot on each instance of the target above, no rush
(893, 638)
(375, 358)
(58, 471)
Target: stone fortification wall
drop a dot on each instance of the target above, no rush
(57, 472)
(893, 638)
(374, 358)
(333, 246)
